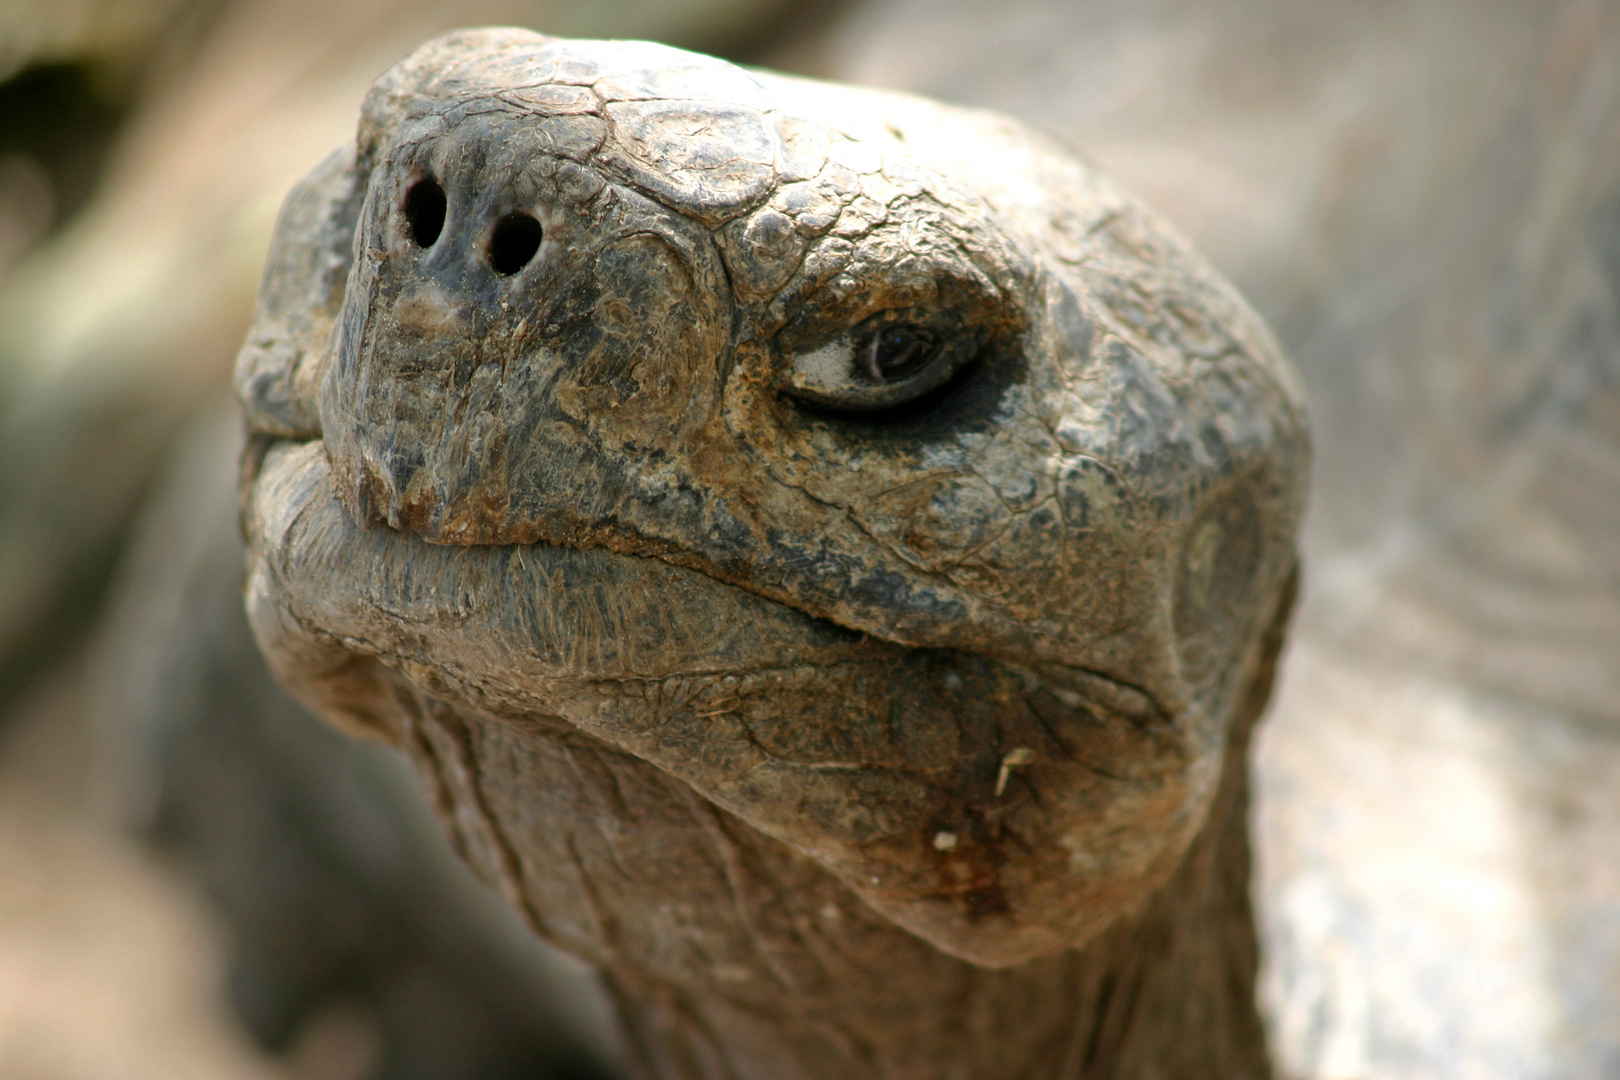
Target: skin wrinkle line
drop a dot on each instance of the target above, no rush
(510, 864)
(729, 856)
(862, 527)
(607, 926)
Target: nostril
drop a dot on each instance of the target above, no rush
(516, 239)
(424, 211)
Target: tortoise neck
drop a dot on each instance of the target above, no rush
(1168, 993)
(733, 956)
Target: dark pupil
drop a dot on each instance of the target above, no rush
(898, 351)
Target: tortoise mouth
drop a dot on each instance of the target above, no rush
(519, 615)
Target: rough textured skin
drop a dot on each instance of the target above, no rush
(858, 725)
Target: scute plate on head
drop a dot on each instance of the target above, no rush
(711, 160)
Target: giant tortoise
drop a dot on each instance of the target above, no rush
(824, 550)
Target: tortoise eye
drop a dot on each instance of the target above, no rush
(897, 352)
(888, 361)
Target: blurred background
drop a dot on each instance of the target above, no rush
(1421, 196)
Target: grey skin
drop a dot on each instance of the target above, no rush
(827, 581)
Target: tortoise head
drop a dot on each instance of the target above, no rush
(873, 468)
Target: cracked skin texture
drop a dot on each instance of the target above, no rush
(836, 715)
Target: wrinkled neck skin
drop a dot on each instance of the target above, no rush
(812, 983)
(1167, 993)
